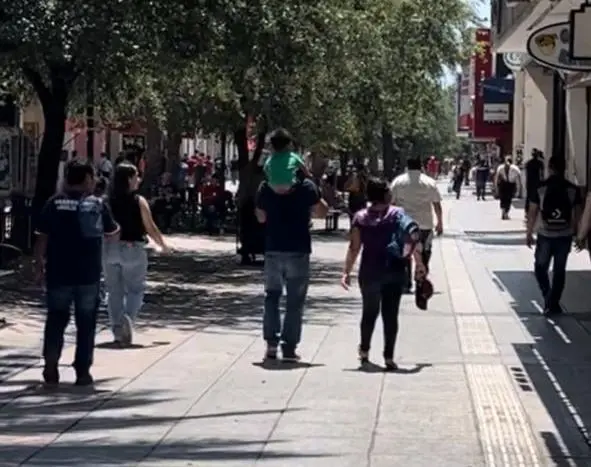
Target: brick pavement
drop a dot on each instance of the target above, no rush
(484, 380)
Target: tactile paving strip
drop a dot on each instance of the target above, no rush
(475, 336)
(462, 294)
(505, 433)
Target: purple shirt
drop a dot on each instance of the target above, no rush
(376, 228)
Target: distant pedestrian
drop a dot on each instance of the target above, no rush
(105, 166)
(457, 178)
(481, 176)
(555, 203)
(68, 255)
(419, 196)
(126, 258)
(355, 186)
(508, 181)
(388, 237)
(288, 245)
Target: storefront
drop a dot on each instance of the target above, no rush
(552, 98)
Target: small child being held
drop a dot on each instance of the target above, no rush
(282, 167)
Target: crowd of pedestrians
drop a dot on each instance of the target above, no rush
(87, 231)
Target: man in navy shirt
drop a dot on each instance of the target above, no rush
(68, 255)
(288, 245)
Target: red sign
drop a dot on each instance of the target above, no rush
(483, 69)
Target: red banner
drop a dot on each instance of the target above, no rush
(482, 59)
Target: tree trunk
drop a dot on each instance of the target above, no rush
(388, 152)
(153, 153)
(251, 175)
(343, 161)
(174, 138)
(241, 141)
(55, 115)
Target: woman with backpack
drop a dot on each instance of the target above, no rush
(387, 236)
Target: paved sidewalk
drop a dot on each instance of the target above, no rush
(484, 381)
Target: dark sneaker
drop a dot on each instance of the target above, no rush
(84, 379)
(51, 375)
(289, 355)
(390, 365)
(553, 310)
(363, 356)
(271, 352)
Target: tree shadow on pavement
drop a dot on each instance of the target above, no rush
(209, 450)
(556, 360)
(188, 290)
(13, 361)
(111, 434)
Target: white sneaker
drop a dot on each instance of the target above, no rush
(126, 330)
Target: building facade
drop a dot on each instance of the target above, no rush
(549, 45)
(485, 99)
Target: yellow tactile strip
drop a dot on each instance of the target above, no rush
(505, 433)
(475, 336)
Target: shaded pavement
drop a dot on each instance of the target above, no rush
(484, 379)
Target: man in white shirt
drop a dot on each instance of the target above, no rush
(105, 166)
(419, 196)
(508, 181)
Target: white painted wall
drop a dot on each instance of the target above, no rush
(537, 111)
(577, 127)
(519, 111)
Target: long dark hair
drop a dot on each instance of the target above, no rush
(120, 187)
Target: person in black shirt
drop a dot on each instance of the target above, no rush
(555, 204)
(68, 256)
(481, 176)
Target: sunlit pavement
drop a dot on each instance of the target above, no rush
(484, 379)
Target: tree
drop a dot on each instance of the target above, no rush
(67, 49)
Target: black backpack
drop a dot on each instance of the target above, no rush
(557, 205)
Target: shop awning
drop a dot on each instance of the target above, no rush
(498, 90)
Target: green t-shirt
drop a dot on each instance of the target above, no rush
(281, 168)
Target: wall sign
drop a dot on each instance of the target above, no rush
(580, 37)
(496, 113)
(515, 61)
(550, 46)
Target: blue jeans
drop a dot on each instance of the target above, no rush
(291, 270)
(554, 249)
(59, 301)
(126, 267)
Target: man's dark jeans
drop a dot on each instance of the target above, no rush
(555, 249)
(426, 241)
(59, 301)
(480, 190)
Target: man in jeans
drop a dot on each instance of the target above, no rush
(419, 196)
(68, 254)
(288, 245)
(555, 202)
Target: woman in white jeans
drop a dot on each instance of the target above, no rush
(126, 259)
